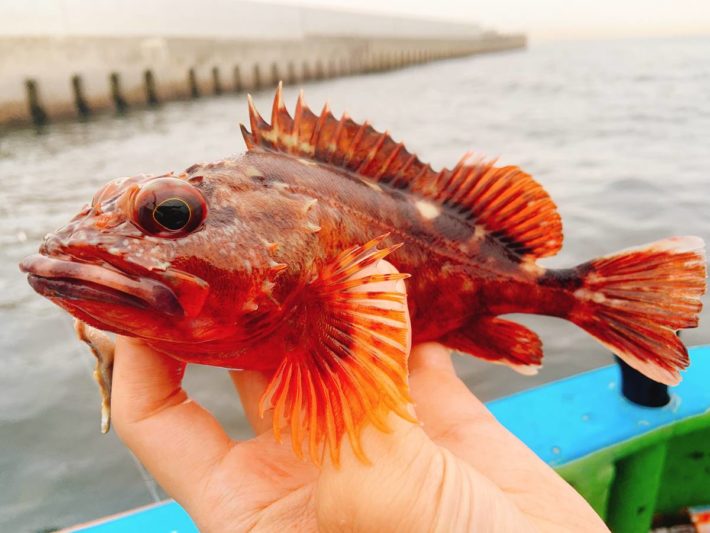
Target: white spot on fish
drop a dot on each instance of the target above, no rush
(586, 294)
(252, 172)
(427, 209)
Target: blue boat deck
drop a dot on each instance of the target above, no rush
(570, 418)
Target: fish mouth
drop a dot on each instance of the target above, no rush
(68, 279)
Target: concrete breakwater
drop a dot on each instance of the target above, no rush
(68, 72)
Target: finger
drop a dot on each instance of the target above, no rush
(250, 386)
(452, 415)
(176, 439)
(442, 401)
(454, 418)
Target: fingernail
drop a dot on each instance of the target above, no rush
(383, 267)
(399, 286)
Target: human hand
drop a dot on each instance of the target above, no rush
(460, 470)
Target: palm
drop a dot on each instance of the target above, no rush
(271, 497)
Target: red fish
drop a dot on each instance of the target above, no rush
(228, 261)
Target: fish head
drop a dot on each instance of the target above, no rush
(169, 258)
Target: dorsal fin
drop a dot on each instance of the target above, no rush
(509, 203)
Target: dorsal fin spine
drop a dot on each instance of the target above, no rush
(295, 129)
(403, 171)
(449, 188)
(248, 139)
(385, 166)
(460, 175)
(467, 182)
(474, 173)
(253, 122)
(371, 155)
(315, 136)
(506, 202)
(336, 137)
(474, 195)
(355, 143)
(278, 104)
(440, 183)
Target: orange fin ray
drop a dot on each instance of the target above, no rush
(634, 301)
(499, 341)
(352, 367)
(506, 201)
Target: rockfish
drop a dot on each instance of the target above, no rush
(250, 263)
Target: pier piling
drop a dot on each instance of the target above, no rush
(63, 70)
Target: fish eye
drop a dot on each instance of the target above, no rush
(173, 214)
(169, 207)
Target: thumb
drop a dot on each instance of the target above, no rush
(442, 401)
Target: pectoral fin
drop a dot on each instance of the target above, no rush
(351, 367)
(103, 348)
(499, 341)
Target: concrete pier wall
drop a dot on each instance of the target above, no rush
(59, 70)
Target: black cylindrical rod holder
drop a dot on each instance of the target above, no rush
(641, 390)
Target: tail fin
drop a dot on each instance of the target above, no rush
(633, 302)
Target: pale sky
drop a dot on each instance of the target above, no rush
(552, 19)
(539, 19)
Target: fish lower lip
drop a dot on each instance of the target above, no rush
(72, 289)
(62, 278)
